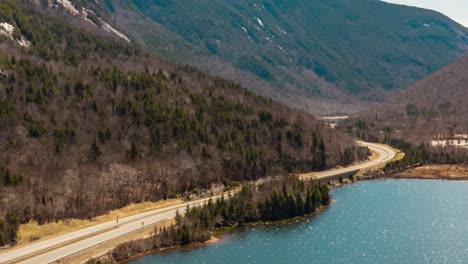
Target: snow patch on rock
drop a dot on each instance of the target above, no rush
(84, 14)
(259, 6)
(109, 28)
(281, 30)
(260, 22)
(67, 5)
(23, 42)
(247, 33)
(281, 48)
(7, 30)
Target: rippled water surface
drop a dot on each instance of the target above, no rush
(390, 221)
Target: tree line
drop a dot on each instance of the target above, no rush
(423, 154)
(276, 200)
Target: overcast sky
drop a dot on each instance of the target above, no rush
(455, 9)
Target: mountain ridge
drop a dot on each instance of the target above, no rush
(341, 51)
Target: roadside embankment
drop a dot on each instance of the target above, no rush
(33, 232)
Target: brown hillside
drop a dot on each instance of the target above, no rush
(88, 124)
(434, 106)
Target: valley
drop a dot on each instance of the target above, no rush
(298, 51)
(131, 127)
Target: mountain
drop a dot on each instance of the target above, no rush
(434, 107)
(89, 122)
(296, 50)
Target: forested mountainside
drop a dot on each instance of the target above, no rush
(434, 107)
(327, 49)
(88, 124)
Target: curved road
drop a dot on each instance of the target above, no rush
(62, 246)
(385, 154)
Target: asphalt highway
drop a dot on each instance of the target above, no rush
(62, 246)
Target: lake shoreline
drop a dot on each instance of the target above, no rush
(433, 172)
(394, 216)
(216, 236)
(410, 173)
(424, 172)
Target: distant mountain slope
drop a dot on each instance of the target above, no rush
(442, 92)
(434, 106)
(88, 124)
(318, 49)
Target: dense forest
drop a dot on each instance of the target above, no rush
(275, 200)
(89, 124)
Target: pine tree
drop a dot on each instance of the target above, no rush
(95, 152)
(133, 152)
(308, 207)
(178, 218)
(322, 155)
(299, 204)
(6, 176)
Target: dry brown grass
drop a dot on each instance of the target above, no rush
(447, 172)
(373, 156)
(32, 231)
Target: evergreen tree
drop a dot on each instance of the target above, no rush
(178, 218)
(322, 155)
(95, 151)
(133, 152)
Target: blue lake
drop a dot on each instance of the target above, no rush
(387, 221)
